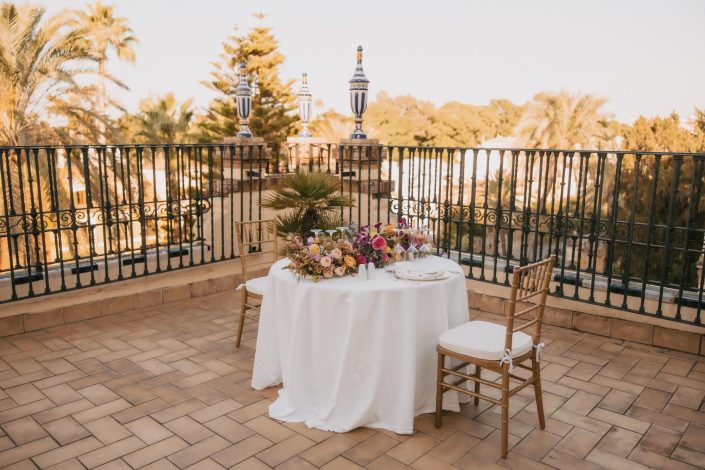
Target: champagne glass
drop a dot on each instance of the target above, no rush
(316, 233)
(412, 254)
(425, 250)
(330, 233)
(413, 238)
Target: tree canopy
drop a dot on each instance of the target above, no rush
(404, 120)
(160, 120)
(46, 70)
(565, 121)
(273, 100)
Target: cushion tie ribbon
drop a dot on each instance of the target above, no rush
(507, 359)
(539, 349)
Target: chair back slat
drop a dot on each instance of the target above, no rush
(529, 282)
(256, 238)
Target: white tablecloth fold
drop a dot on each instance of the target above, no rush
(356, 353)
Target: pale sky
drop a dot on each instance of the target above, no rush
(644, 56)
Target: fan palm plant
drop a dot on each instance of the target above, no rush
(309, 200)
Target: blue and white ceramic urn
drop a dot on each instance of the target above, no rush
(243, 97)
(358, 96)
(304, 99)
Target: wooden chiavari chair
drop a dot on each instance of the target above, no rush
(500, 348)
(257, 238)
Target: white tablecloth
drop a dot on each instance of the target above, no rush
(356, 353)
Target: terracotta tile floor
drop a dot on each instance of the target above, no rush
(165, 388)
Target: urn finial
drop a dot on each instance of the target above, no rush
(243, 98)
(358, 96)
(304, 99)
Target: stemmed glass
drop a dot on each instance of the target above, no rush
(316, 232)
(345, 233)
(425, 249)
(412, 253)
(398, 252)
(330, 233)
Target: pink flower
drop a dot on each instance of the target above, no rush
(361, 259)
(325, 261)
(384, 257)
(378, 243)
(340, 270)
(328, 273)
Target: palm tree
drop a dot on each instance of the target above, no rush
(105, 32)
(38, 61)
(313, 200)
(162, 120)
(564, 121)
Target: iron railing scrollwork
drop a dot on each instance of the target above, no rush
(628, 228)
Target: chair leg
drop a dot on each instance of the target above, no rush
(439, 389)
(505, 410)
(243, 309)
(478, 372)
(536, 370)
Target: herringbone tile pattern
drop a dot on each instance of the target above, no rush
(165, 388)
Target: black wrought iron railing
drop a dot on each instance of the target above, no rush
(627, 227)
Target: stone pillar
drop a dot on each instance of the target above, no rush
(246, 165)
(308, 154)
(361, 166)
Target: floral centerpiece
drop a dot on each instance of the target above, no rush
(316, 258)
(325, 257)
(372, 246)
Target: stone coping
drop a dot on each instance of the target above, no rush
(105, 299)
(47, 311)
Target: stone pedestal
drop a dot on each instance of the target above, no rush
(361, 165)
(245, 165)
(308, 153)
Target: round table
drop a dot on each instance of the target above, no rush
(354, 353)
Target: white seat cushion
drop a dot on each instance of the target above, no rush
(483, 340)
(256, 285)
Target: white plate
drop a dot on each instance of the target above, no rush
(410, 275)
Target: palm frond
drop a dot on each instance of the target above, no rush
(309, 200)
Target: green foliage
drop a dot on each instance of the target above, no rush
(665, 134)
(39, 59)
(104, 31)
(331, 126)
(82, 122)
(401, 120)
(46, 66)
(404, 120)
(565, 121)
(160, 120)
(638, 182)
(272, 106)
(310, 200)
